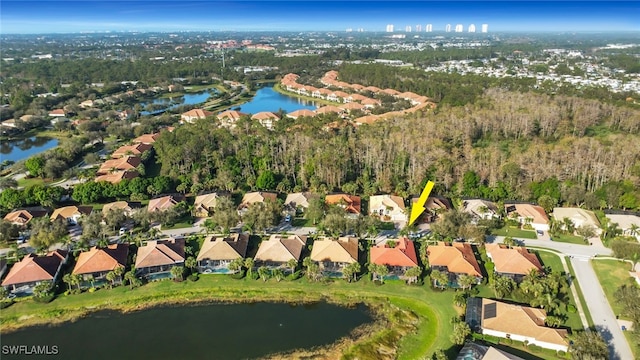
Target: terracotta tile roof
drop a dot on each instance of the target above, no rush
(117, 176)
(341, 94)
(165, 202)
(123, 163)
(368, 119)
(521, 320)
(373, 89)
(254, 197)
(391, 92)
(34, 268)
(302, 112)
(357, 97)
(403, 254)
(23, 216)
(534, 212)
(351, 203)
(147, 138)
(281, 249)
(457, 257)
(122, 205)
(126, 150)
(357, 87)
(230, 115)
(265, 115)
(224, 248)
(69, 211)
(328, 109)
(369, 101)
(196, 114)
(512, 261)
(343, 250)
(57, 112)
(99, 260)
(351, 106)
(160, 252)
(206, 202)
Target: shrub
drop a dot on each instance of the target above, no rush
(571, 308)
(92, 290)
(5, 303)
(239, 275)
(47, 298)
(295, 276)
(193, 277)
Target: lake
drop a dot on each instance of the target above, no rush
(266, 99)
(213, 331)
(16, 150)
(168, 103)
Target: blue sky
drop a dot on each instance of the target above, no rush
(118, 15)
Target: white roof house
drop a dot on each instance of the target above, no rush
(630, 224)
(580, 217)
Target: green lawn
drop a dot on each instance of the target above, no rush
(301, 222)
(24, 182)
(180, 225)
(567, 238)
(583, 302)
(515, 233)
(613, 274)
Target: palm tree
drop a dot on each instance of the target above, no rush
(502, 285)
(378, 271)
(350, 271)
(509, 242)
(634, 230)
(440, 279)
(460, 298)
(90, 278)
(191, 263)
(236, 264)
(119, 271)
(292, 264)
(278, 274)
(553, 321)
(177, 272)
(130, 277)
(546, 301)
(111, 277)
(248, 263)
(412, 274)
(264, 273)
(69, 280)
(466, 281)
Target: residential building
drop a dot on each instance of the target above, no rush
(266, 119)
(579, 217)
(129, 150)
(516, 322)
(480, 209)
(528, 214)
(58, 113)
(515, 262)
(126, 163)
(147, 138)
(255, 197)
(279, 250)
(155, 259)
(71, 214)
(629, 224)
(333, 255)
(230, 117)
(329, 109)
(398, 255)
(350, 203)
(388, 208)
(455, 259)
(195, 114)
(117, 176)
(298, 201)
(299, 113)
(204, 204)
(95, 264)
(33, 270)
(165, 202)
(475, 351)
(23, 216)
(218, 252)
(127, 207)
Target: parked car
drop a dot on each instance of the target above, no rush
(539, 232)
(287, 218)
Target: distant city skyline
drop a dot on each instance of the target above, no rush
(24, 17)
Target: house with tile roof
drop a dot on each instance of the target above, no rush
(57, 113)
(129, 150)
(279, 250)
(434, 206)
(229, 118)
(389, 208)
(514, 262)
(367, 119)
(217, 252)
(350, 203)
(298, 201)
(528, 214)
(127, 207)
(71, 214)
(266, 119)
(155, 259)
(117, 176)
(628, 223)
(255, 197)
(194, 115)
(301, 113)
(333, 255)
(328, 109)
(95, 264)
(350, 107)
(204, 204)
(579, 217)
(480, 209)
(165, 202)
(33, 270)
(455, 259)
(398, 255)
(475, 351)
(126, 163)
(146, 138)
(23, 216)
(516, 322)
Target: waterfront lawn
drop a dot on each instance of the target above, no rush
(612, 274)
(26, 182)
(514, 233)
(572, 239)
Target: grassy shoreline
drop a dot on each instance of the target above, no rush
(410, 320)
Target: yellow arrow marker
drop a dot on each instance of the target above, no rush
(418, 207)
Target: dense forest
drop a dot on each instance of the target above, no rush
(508, 145)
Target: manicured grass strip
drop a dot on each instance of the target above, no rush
(612, 274)
(515, 233)
(572, 239)
(583, 302)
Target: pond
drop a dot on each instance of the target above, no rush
(213, 331)
(166, 103)
(16, 150)
(266, 99)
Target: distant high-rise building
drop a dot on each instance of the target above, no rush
(390, 28)
(485, 28)
(349, 30)
(407, 28)
(472, 28)
(459, 28)
(418, 28)
(429, 28)
(447, 28)
(360, 29)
